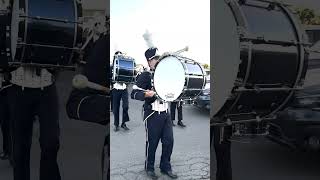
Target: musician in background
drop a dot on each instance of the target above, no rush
(34, 93)
(5, 119)
(120, 92)
(157, 121)
(4, 83)
(173, 107)
(93, 105)
(222, 146)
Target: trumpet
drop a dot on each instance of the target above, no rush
(182, 50)
(175, 53)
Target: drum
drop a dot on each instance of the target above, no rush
(4, 23)
(178, 78)
(45, 33)
(259, 60)
(124, 69)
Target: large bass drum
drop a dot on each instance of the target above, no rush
(259, 60)
(178, 78)
(45, 33)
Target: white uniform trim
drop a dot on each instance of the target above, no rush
(119, 86)
(78, 109)
(27, 77)
(147, 139)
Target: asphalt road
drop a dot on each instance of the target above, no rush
(81, 144)
(191, 154)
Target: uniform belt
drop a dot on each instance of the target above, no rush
(40, 88)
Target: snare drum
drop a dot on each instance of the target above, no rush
(45, 33)
(259, 59)
(178, 78)
(124, 69)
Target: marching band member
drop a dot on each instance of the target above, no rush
(222, 146)
(157, 120)
(5, 120)
(173, 107)
(93, 105)
(4, 109)
(119, 92)
(34, 93)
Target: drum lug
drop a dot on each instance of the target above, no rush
(81, 20)
(22, 12)
(242, 31)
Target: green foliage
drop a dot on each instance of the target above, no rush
(307, 16)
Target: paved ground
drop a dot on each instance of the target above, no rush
(265, 160)
(191, 154)
(81, 144)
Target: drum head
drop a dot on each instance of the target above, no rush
(169, 78)
(226, 55)
(14, 28)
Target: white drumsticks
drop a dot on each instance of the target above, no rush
(80, 82)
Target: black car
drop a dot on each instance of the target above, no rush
(203, 100)
(298, 126)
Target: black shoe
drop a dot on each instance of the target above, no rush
(180, 123)
(116, 128)
(124, 126)
(170, 174)
(152, 175)
(4, 156)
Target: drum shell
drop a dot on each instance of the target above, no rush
(48, 32)
(124, 70)
(272, 57)
(195, 81)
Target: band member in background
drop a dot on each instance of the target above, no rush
(173, 107)
(34, 93)
(5, 120)
(111, 87)
(93, 105)
(4, 83)
(222, 145)
(157, 121)
(119, 92)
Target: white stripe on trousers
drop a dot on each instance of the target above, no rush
(146, 127)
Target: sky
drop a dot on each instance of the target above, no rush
(174, 24)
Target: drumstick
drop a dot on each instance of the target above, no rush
(80, 82)
(135, 87)
(88, 40)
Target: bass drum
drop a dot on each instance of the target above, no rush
(45, 33)
(259, 60)
(178, 78)
(124, 69)
(4, 23)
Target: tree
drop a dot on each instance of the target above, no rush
(206, 66)
(307, 16)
